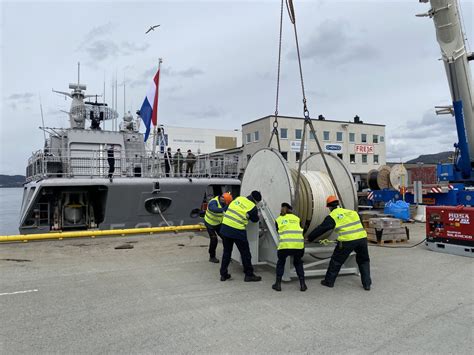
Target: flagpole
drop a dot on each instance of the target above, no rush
(160, 60)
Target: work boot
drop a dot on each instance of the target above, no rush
(225, 277)
(252, 278)
(325, 283)
(214, 260)
(303, 286)
(277, 285)
(367, 288)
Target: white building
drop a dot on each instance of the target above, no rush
(360, 145)
(199, 140)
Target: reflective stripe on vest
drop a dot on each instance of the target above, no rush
(348, 225)
(213, 218)
(290, 232)
(236, 214)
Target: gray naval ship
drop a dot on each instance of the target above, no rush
(87, 177)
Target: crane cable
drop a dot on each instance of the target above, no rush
(307, 119)
(277, 98)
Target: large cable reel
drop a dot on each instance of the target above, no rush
(269, 173)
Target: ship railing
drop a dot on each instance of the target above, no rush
(73, 163)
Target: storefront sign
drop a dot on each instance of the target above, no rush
(295, 146)
(364, 148)
(333, 148)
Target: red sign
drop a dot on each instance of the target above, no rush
(364, 148)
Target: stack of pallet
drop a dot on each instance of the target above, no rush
(383, 230)
(366, 216)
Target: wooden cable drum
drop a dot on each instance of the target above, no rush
(398, 176)
(383, 177)
(372, 179)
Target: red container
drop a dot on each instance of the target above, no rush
(450, 224)
(426, 174)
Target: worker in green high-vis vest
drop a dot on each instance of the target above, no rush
(351, 237)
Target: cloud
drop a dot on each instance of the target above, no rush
(98, 47)
(101, 49)
(22, 99)
(148, 74)
(190, 72)
(130, 47)
(332, 42)
(98, 31)
(430, 134)
(204, 113)
(430, 126)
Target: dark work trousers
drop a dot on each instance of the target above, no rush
(167, 169)
(189, 169)
(340, 255)
(213, 234)
(297, 254)
(111, 162)
(244, 249)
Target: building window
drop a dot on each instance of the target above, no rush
(297, 156)
(255, 136)
(284, 133)
(376, 158)
(298, 133)
(352, 158)
(375, 138)
(364, 158)
(381, 139)
(339, 136)
(285, 155)
(312, 136)
(363, 138)
(326, 135)
(352, 137)
(249, 138)
(340, 156)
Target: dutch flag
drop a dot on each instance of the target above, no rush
(149, 109)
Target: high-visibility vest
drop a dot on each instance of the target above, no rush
(348, 225)
(236, 214)
(290, 232)
(213, 218)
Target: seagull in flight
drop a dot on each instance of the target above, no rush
(152, 28)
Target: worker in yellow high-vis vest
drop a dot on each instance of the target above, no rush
(351, 237)
(213, 219)
(291, 243)
(234, 231)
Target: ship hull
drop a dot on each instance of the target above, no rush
(59, 204)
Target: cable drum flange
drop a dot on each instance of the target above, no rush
(383, 177)
(398, 176)
(372, 179)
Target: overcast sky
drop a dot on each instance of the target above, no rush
(371, 58)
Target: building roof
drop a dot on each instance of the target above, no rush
(313, 119)
(228, 151)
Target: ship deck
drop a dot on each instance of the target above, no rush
(84, 296)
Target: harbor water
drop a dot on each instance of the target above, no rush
(10, 204)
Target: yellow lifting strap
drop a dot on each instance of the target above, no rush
(327, 242)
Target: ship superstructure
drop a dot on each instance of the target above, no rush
(88, 177)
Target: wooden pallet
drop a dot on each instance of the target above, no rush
(388, 235)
